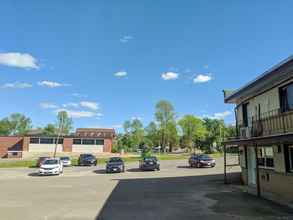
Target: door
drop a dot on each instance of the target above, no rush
(251, 165)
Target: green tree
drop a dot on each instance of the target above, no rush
(164, 115)
(64, 122)
(193, 131)
(152, 135)
(172, 135)
(19, 124)
(5, 127)
(137, 133)
(50, 130)
(216, 132)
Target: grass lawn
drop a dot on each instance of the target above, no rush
(32, 163)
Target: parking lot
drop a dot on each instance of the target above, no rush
(175, 192)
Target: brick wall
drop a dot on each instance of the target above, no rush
(10, 143)
(67, 144)
(107, 145)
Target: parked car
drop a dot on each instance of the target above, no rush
(52, 166)
(65, 161)
(41, 160)
(201, 160)
(149, 163)
(115, 165)
(87, 160)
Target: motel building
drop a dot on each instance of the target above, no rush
(264, 127)
(84, 140)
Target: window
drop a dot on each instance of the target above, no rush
(99, 142)
(46, 141)
(245, 114)
(88, 141)
(76, 141)
(60, 141)
(34, 140)
(286, 97)
(265, 157)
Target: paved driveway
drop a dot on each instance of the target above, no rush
(175, 192)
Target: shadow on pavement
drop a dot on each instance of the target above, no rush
(185, 167)
(190, 197)
(34, 174)
(103, 171)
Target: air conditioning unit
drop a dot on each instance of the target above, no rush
(245, 132)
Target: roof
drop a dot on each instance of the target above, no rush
(266, 80)
(95, 132)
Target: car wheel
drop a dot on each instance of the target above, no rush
(197, 165)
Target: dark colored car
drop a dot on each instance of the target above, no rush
(115, 165)
(41, 160)
(201, 160)
(149, 163)
(87, 160)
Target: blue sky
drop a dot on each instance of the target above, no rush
(109, 61)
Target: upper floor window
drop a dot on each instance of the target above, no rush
(245, 114)
(286, 98)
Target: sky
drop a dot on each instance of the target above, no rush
(105, 62)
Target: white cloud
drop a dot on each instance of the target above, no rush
(201, 78)
(219, 115)
(121, 74)
(71, 105)
(169, 76)
(137, 117)
(17, 85)
(89, 105)
(125, 39)
(51, 84)
(222, 115)
(78, 114)
(117, 126)
(79, 95)
(20, 60)
(48, 105)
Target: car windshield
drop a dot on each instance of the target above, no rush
(64, 158)
(205, 157)
(115, 159)
(150, 159)
(50, 162)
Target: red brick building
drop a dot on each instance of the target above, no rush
(85, 140)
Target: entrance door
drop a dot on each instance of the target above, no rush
(251, 165)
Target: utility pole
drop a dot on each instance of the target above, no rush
(60, 130)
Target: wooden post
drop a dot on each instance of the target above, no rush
(225, 165)
(257, 173)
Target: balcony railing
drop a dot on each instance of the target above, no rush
(269, 123)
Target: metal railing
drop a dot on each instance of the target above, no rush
(269, 123)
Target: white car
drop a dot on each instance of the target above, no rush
(52, 166)
(66, 161)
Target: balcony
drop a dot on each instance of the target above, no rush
(270, 123)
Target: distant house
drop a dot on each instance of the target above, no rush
(264, 121)
(84, 140)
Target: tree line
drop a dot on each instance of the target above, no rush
(19, 124)
(168, 132)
